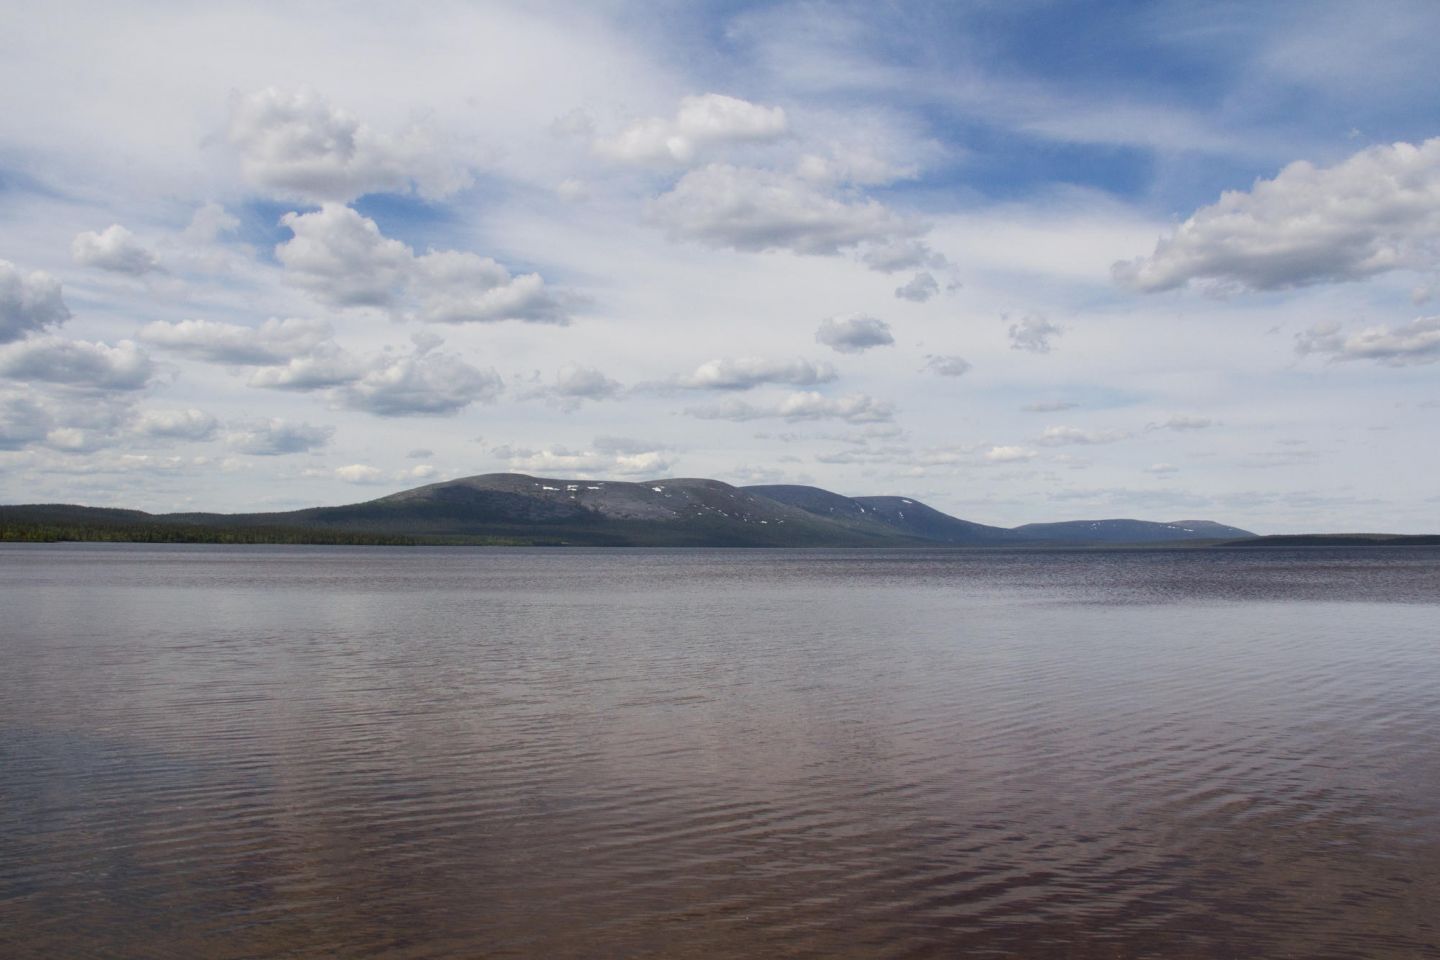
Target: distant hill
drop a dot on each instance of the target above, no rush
(1129, 531)
(1340, 540)
(513, 508)
(895, 514)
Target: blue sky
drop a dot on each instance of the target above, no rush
(1024, 261)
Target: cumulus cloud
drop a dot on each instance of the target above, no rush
(295, 145)
(575, 384)
(921, 288)
(276, 437)
(421, 384)
(28, 302)
(457, 287)
(342, 258)
(745, 373)
(802, 405)
(703, 121)
(743, 208)
(274, 341)
(1407, 344)
(190, 424)
(598, 462)
(360, 473)
(1033, 334)
(77, 363)
(853, 333)
(1074, 436)
(947, 366)
(1377, 211)
(328, 366)
(115, 249)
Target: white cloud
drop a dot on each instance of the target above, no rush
(748, 209)
(575, 383)
(422, 471)
(115, 249)
(457, 287)
(28, 302)
(360, 473)
(947, 366)
(277, 437)
(1377, 211)
(1162, 469)
(999, 454)
(210, 222)
(343, 259)
(1067, 436)
(902, 254)
(597, 463)
(921, 288)
(190, 424)
(324, 368)
(23, 421)
(274, 341)
(703, 121)
(861, 164)
(75, 440)
(1182, 423)
(77, 363)
(853, 333)
(745, 373)
(1033, 334)
(803, 405)
(423, 384)
(296, 146)
(1049, 406)
(1409, 344)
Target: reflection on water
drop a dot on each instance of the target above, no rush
(306, 753)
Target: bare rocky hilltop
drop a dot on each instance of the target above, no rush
(516, 508)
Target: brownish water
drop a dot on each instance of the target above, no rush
(307, 753)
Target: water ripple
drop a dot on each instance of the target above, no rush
(306, 753)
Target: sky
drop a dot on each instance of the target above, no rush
(1025, 261)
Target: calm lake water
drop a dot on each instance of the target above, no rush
(290, 752)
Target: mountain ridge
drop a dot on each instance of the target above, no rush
(674, 511)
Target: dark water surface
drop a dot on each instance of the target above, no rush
(289, 752)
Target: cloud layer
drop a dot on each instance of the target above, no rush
(642, 241)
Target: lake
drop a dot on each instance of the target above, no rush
(307, 752)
